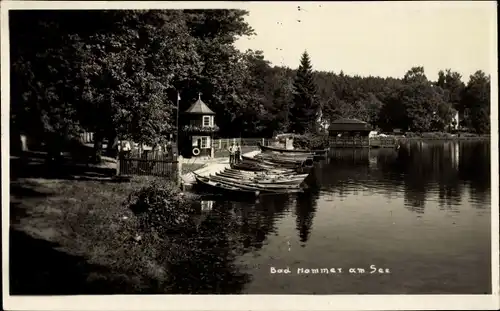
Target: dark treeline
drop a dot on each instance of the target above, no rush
(117, 74)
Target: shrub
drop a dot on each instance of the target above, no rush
(411, 135)
(161, 208)
(311, 141)
(467, 134)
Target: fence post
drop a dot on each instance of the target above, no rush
(118, 157)
(179, 172)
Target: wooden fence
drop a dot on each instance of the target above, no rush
(87, 137)
(150, 164)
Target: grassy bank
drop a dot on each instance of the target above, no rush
(451, 138)
(79, 237)
(444, 136)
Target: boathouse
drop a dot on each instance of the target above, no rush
(198, 130)
(349, 133)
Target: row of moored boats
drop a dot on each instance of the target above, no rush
(274, 170)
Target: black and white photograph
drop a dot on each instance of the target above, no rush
(249, 152)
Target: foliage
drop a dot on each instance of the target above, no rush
(161, 208)
(43, 77)
(305, 108)
(435, 135)
(202, 129)
(476, 102)
(119, 77)
(311, 141)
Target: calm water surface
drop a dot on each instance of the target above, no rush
(422, 212)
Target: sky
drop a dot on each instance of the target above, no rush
(376, 38)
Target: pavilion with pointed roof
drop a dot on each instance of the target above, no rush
(198, 130)
(199, 107)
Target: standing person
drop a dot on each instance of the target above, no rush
(169, 149)
(126, 148)
(237, 154)
(231, 154)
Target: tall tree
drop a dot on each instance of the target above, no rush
(305, 107)
(221, 80)
(451, 82)
(476, 102)
(44, 76)
(421, 101)
(140, 57)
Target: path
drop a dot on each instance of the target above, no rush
(212, 166)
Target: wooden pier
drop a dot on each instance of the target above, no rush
(363, 142)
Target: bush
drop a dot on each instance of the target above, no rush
(436, 135)
(467, 134)
(311, 141)
(161, 208)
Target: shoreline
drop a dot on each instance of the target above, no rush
(479, 138)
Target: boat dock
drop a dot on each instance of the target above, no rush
(210, 168)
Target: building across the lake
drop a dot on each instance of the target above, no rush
(196, 136)
(349, 133)
(354, 133)
(455, 120)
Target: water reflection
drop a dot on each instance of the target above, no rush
(374, 192)
(305, 212)
(258, 220)
(420, 171)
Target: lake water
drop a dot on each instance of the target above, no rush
(422, 214)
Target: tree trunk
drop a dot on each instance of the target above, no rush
(54, 149)
(112, 147)
(98, 138)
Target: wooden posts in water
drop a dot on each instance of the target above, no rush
(363, 142)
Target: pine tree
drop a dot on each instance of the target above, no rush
(305, 106)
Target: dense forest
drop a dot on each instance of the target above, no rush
(117, 74)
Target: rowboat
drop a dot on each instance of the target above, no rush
(284, 157)
(280, 160)
(288, 156)
(224, 187)
(287, 164)
(248, 166)
(267, 174)
(283, 150)
(264, 180)
(261, 187)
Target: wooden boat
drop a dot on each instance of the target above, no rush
(268, 174)
(261, 187)
(287, 155)
(224, 187)
(284, 161)
(283, 150)
(290, 165)
(283, 157)
(255, 165)
(248, 167)
(261, 175)
(270, 164)
(263, 180)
